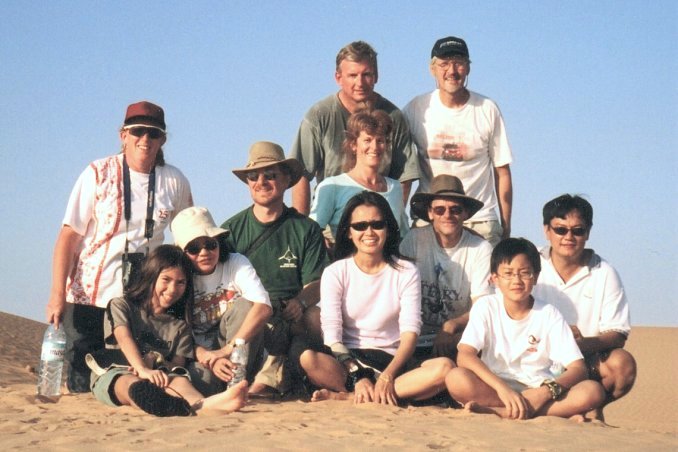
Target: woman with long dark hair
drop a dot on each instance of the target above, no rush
(148, 325)
(370, 309)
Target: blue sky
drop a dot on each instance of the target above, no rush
(587, 90)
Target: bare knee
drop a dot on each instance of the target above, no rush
(595, 394)
(618, 372)
(458, 382)
(439, 368)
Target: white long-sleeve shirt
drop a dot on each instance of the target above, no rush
(363, 310)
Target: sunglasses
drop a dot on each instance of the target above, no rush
(253, 176)
(454, 210)
(152, 132)
(377, 225)
(562, 230)
(194, 248)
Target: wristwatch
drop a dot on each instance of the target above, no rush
(356, 372)
(555, 388)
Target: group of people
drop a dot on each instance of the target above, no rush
(341, 294)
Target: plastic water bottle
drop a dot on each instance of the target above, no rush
(239, 357)
(51, 362)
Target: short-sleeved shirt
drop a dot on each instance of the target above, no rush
(333, 193)
(230, 280)
(162, 333)
(292, 257)
(95, 211)
(318, 145)
(450, 278)
(465, 142)
(593, 299)
(527, 351)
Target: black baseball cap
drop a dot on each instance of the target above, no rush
(448, 47)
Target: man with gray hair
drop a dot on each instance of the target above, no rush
(321, 133)
(461, 133)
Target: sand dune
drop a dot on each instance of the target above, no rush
(646, 419)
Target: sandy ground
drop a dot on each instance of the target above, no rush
(647, 419)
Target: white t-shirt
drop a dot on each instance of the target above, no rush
(523, 350)
(214, 294)
(465, 142)
(593, 299)
(450, 278)
(96, 212)
(333, 193)
(363, 310)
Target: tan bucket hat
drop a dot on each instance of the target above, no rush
(194, 222)
(264, 154)
(443, 186)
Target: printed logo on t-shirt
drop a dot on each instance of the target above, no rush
(288, 259)
(449, 147)
(533, 341)
(209, 307)
(163, 215)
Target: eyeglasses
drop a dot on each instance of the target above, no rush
(152, 132)
(195, 247)
(377, 225)
(454, 210)
(525, 275)
(253, 176)
(456, 62)
(562, 230)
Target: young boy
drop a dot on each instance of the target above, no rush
(523, 343)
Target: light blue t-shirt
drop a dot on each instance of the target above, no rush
(332, 194)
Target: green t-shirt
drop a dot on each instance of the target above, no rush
(292, 257)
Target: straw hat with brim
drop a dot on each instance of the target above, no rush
(194, 222)
(443, 186)
(264, 154)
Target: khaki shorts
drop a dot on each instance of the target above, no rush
(102, 386)
(491, 230)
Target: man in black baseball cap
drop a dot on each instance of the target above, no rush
(461, 133)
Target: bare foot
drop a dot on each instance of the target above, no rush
(228, 401)
(474, 407)
(595, 414)
(578, 418)
(326, 394)
(264, 391)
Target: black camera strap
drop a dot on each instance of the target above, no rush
(150, 203)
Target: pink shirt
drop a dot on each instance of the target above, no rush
(369, 311)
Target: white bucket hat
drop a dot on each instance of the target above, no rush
(194, 222)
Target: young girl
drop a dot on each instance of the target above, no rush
(148, 326)
(229, 301)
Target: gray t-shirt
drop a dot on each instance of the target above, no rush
(322, 132)
(450, 278)
(162, 333)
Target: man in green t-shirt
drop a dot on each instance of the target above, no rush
(286, 249)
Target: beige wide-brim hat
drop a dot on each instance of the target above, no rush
(194, 222)
(264, 154)
(443, 186)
